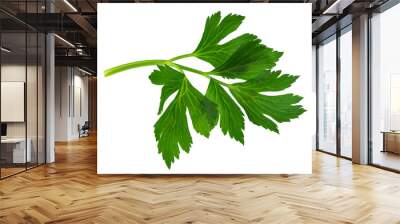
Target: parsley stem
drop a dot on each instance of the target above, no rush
(181, 57)
(205, 74)
(191, 69)
(135, 64)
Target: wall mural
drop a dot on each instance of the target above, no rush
(242, 58)
(181, 81)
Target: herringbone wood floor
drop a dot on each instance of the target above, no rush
(69, 191)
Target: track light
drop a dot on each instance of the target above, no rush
(64, 40)
(5, 50)
(84, 71)
(70, 5)
(337, 7)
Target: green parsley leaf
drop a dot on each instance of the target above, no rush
(269, 81)
(241, 58)
(215, 30)
(248, 61)
(203, 112)
(171, 81)
(218, 54)
(231, 117)
(171, 130)
(264, 110)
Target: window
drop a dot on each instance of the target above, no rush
(22, 102)
(346, 92)
(385, 89)
(327, 95)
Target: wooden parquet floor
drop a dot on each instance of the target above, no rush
(70, 191)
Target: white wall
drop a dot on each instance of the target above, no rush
(16, 73)
(80, 112)
(33, 127)
(62, 82)
(71, 102)
(13, 73)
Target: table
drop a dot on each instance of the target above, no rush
(13, 150)
(391, 141)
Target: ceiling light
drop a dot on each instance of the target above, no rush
(80, 51)
(5, 50)
(84, 71)
(338, 6)
(64, 40)
(70, 5)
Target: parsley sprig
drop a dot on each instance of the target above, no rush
(244, 59)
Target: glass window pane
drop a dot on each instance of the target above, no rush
(14, 153)
(31, 86)
(32, 95)
(346, 94)
(41, 98)
(386, 89)
(327, 96)
(22, 90)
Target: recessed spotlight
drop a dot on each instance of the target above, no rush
(5, 50)
(84, 71)
(70, 5)
(64, 40)
(337, 7)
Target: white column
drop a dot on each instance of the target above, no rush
(50, 94)
(62, 103)
(360, 90)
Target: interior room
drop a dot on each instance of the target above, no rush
(22, 101)
(49, 128)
